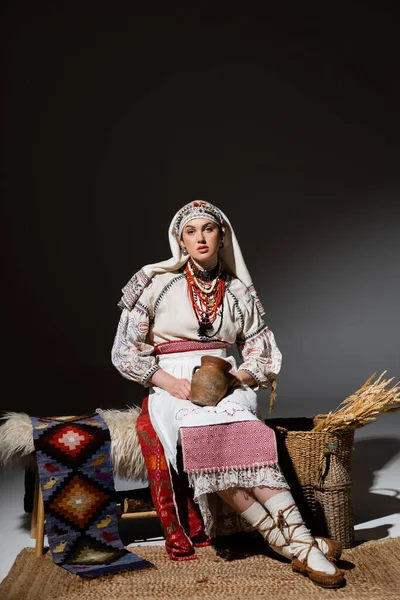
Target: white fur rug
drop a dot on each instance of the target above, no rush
(16, 441)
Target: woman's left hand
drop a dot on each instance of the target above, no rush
(239, 378)
(233, 381)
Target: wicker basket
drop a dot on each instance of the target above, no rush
(317, 466)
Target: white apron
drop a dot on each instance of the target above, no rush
(168, 413)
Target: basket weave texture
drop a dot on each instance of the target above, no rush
(317, 466)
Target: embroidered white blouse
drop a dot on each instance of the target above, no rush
(164, 313)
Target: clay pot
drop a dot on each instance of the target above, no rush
(210, 381)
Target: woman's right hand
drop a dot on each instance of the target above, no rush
(179, 388)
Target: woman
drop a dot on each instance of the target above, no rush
(200, 302)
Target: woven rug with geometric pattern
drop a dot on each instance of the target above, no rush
(76, 478)
(372, 572)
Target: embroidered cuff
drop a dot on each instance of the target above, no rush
(254, 376)
(145, 379)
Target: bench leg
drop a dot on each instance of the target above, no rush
(35, 507)
(40, 525)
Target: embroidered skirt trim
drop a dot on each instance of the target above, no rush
(205, 483)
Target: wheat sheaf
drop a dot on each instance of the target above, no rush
(363, 406)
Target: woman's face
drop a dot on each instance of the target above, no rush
(202, 239)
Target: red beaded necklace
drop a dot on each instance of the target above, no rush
(206, 298)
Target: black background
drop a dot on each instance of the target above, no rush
(285, 115)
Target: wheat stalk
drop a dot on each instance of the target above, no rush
(363, 406)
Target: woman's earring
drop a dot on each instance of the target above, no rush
(221, 244)
(184, 251)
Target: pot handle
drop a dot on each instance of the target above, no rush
(195, 369)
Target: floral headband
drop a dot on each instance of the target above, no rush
(198, 209)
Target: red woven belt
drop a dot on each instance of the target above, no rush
(188, 346)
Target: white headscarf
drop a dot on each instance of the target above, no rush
(230, 255)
